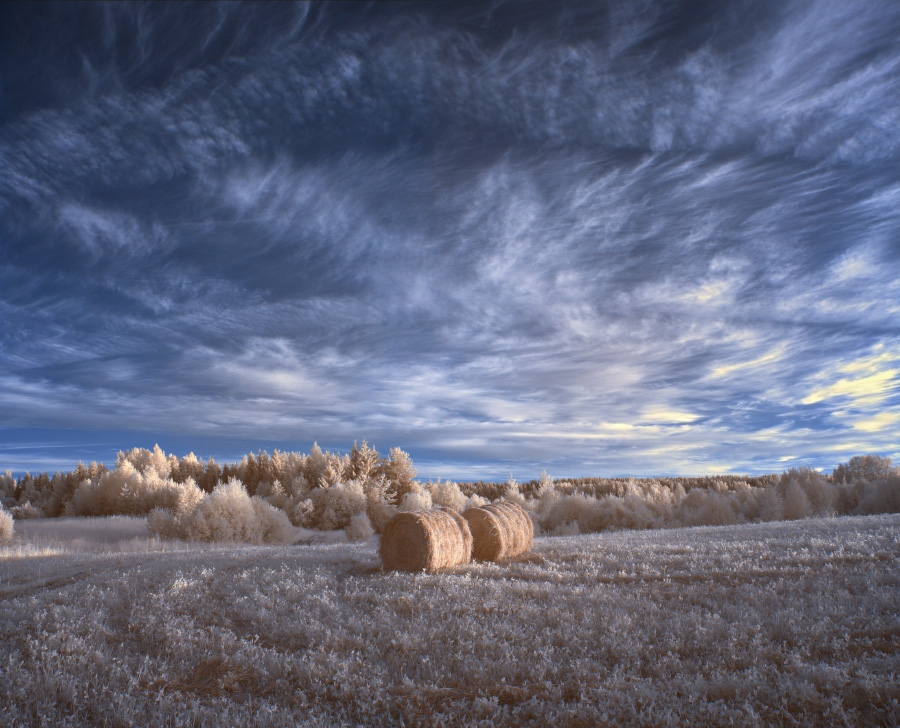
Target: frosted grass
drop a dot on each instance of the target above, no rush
(788, 623)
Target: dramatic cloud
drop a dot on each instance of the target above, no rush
(625, 238)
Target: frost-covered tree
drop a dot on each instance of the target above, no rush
(212, 474)
(189, 466)
(26, 490)
(289, 469)
(143, 460)
(129, 490)
(864, 467)
(264, 465)
(332, 474)
(7, 488)
(818, 497)
(544, 484)
(315, 466)
(364, 462)
(400, 473)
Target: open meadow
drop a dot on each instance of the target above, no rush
(784, 623)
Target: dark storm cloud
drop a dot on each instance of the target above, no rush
(646, 239)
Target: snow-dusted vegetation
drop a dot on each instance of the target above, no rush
(259, 499)
(790, 623)
(226, 514)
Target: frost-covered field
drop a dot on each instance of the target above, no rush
(772, 624)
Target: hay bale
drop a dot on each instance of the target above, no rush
(499, 531)
(425, 540)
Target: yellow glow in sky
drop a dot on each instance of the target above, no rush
(661, 414)
(603, 431)
(878, 422)
(711, 291)
(865, 390)
(772, 356)
(853, 448)
(870, 363)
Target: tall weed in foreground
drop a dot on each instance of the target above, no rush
(7, 528)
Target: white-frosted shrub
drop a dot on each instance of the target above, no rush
(360, 529)
(474, 501)
(26, 510)
(273, 523)
(568, 509)
(7, 528)
(165, 524)
(595, 514)
(226, 514)
(446, 494)
(546, 504)
(514, 495)
(638, 512)
(379, 513)
(335, 506)
(416, 500)
(798, 493)
(705, 508)
(302, 512)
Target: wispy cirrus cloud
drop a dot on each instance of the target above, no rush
(642, 239)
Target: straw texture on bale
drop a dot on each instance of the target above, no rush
(499, 531)
(425, 540)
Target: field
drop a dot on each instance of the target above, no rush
(784, 623)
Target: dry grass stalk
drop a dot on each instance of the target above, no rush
(425, 540)
(499, 531)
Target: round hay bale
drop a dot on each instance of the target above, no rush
(425, 540)
(499, 531)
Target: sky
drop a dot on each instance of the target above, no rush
(611, 238)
